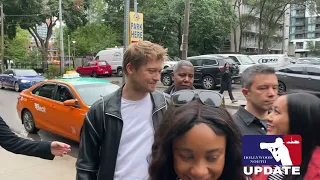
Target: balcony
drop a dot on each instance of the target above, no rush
(299, 23)
(252, 29)
(301, 14)
(300, 31)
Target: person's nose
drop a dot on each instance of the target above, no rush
(272, 92)
(269, 117)
(157, 76)
(199, 171)
(187, 79)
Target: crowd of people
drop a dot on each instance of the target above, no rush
(138, 133)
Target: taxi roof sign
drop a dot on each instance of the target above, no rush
(70, 75)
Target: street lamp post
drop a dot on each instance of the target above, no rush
(69, 52)
(74, 53)
(61, 38)
(126, 33)
(185, 30)
(2, 40)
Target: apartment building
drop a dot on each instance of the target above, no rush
(304, 27)
(249, 37)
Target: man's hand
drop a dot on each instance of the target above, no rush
(59, 148)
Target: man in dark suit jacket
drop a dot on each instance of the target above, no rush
(42, 149)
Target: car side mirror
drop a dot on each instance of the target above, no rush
(10, 74)
(70, 102)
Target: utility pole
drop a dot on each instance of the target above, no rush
(125, 33)
(3, 68)
(185, 30)
(61, 39)
(69, 51)
(135, 6)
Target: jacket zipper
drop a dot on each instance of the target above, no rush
(152, 117)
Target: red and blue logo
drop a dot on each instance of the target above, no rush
(259, 150)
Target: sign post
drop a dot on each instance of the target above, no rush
(136, 27)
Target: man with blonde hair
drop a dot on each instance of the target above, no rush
(118, 130)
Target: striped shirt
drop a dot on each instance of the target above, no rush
(277, 176)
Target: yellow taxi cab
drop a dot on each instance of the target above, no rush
(60, 105)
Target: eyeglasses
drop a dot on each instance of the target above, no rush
(206, 97)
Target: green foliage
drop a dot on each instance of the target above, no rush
(53, 72)
(16, 48)
(314, 48)
(210, 21)
(91, 38)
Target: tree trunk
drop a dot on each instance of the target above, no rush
(260, 25)
(235, 39)
(180, 37)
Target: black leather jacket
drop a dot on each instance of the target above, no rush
(101, 133)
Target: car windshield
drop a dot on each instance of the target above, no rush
(93, 92)
(245, 60)
(228, 60)
(102, 63)
(25, 72)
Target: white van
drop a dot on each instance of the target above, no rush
(272, 60)
(243, 61)
(114, 56)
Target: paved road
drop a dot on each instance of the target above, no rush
(8, 101)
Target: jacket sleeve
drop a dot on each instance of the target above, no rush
(11, 142)
(88, 161)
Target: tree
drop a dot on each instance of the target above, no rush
(36, 12)
(163, 23)
(269, 16)
(243, 21)
(93, 38)
(17, 48)
(314, 48)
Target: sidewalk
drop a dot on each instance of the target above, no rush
(14, 167)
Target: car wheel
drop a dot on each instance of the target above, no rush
(109, 75)
(16, 87)
(94, 74)
(208, 83)
(28, 122)
(119, 72)
(166, 80)
(1, 86)
(281, 87)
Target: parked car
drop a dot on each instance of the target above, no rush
(299, 77)
(243, 61)
(60, 105)
(170, 62)
(309, 60)
(95, 68)
(207, 71)
(114, 56)
(19, 79)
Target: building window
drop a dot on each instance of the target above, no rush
(299, 36)
(299, 45)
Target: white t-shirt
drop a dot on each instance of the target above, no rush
(136, 140)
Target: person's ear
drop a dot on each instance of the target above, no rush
(245, 92)
(130, 68)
